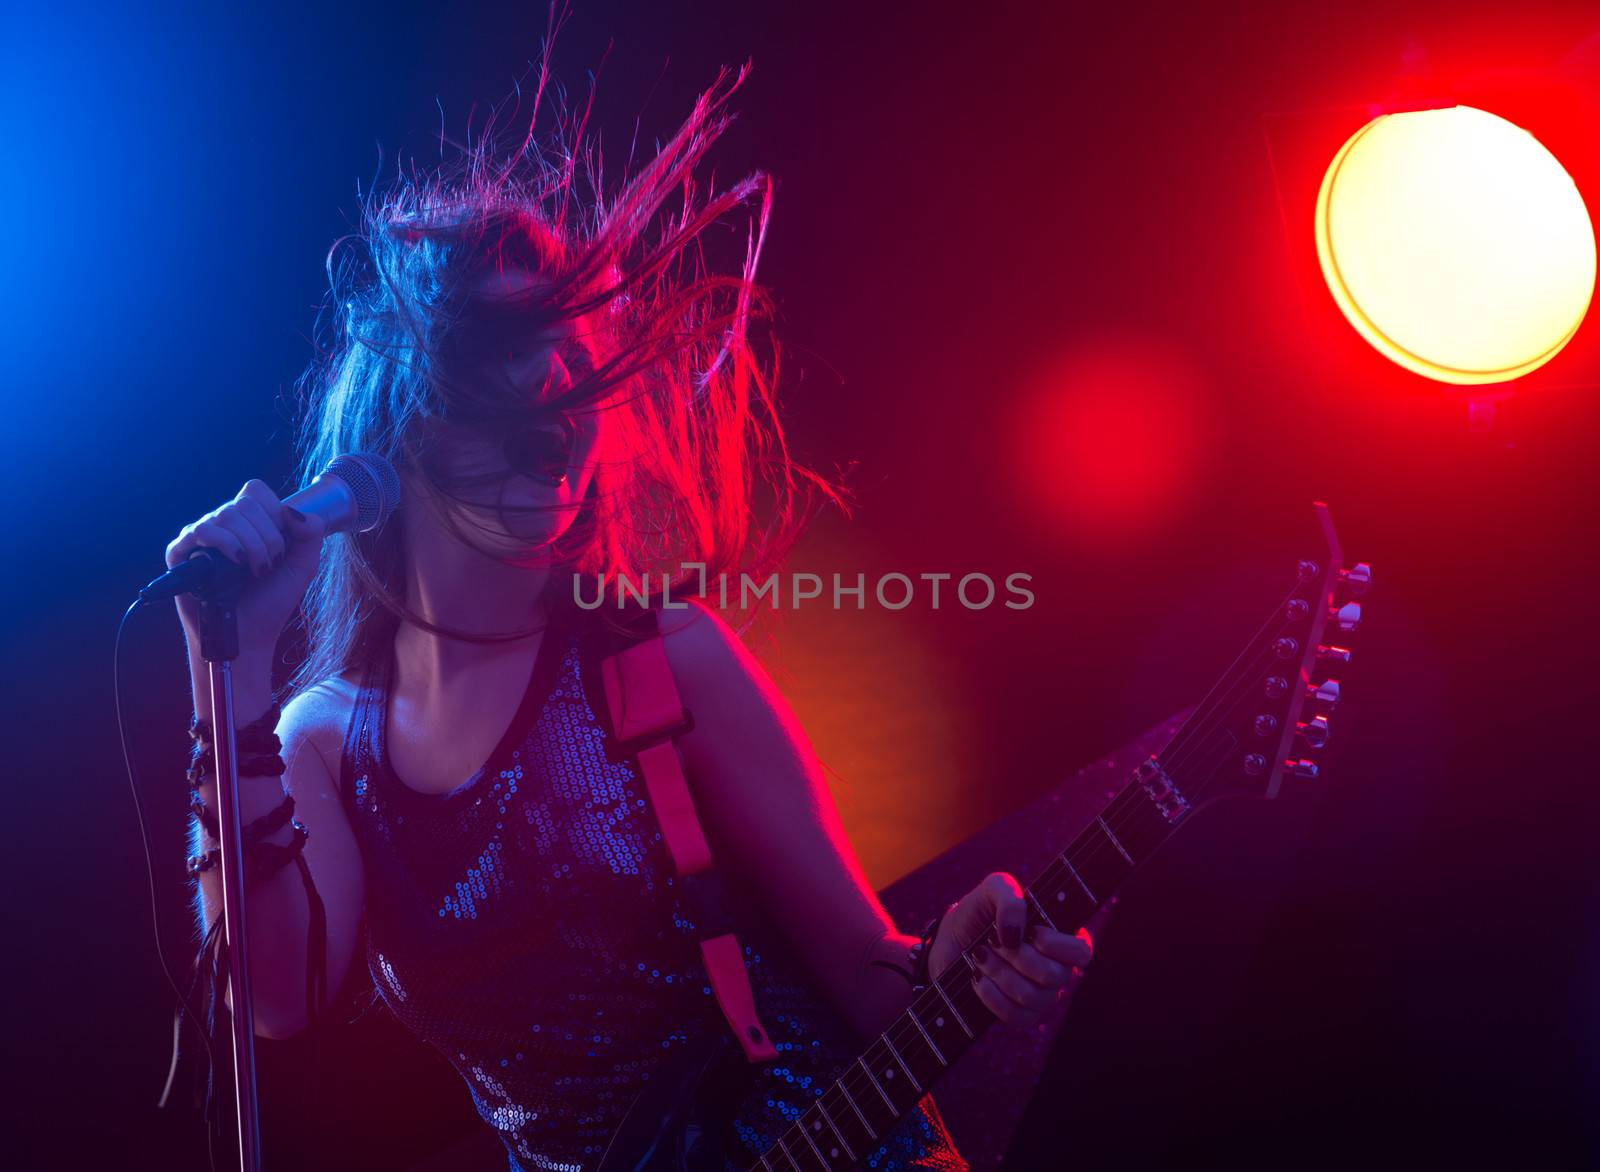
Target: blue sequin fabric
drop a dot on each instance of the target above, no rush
(528, 924)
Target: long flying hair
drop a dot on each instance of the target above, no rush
(699, 471)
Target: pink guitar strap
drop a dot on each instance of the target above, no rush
(647, 715)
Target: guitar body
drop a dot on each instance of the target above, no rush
(708, 1110)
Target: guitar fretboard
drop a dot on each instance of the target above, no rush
(852, 1117)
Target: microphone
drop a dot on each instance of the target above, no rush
(355, 491)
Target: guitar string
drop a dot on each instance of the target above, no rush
(1295, 679)
(1278, 614)
(1176, 756)
(853, 1082)
(1191, 733)
(1257, 642)
(1266, 642)
(1223, 709)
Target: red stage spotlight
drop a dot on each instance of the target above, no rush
(1456, 244)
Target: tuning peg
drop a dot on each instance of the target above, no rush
(1357, 579)
(1315, 731)
(1300, 767)
(1348, 616)
(1327, 654)
(1326, 693)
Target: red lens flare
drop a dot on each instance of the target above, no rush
(1112, 437)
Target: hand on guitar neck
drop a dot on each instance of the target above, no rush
(1020, 970)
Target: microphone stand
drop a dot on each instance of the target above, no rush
(219, 646)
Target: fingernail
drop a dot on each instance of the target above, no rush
(294, 512)
(1011, 937)
(981, 954)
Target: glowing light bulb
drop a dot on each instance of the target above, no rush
(1456, 244)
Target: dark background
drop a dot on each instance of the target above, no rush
(1396, 965)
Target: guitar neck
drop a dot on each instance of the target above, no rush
(851, 1118)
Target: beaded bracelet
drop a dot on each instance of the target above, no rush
(260, 858)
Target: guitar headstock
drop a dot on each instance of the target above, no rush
(1273, 710)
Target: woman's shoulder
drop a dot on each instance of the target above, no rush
(699, 642)
(710, 662)
(319, 716)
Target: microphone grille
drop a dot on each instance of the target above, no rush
(373, 482)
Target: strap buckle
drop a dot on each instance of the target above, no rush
(654, 736)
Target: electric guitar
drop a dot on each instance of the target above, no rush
(1264, 720)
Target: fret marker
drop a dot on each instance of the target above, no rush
(887, 1102)
(837, 1134)
(951, 1006)
(1066, 862)
(815, 1151)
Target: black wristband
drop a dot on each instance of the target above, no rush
(917, 975)
(260, 735)
(250, 765)
(922, 952)
(269, 823)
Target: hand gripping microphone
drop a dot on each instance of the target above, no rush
(355, 491)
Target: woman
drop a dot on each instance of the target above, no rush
(565, 393)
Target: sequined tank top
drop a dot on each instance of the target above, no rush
(528, 924)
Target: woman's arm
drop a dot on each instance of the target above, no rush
(276, 909)
(760, 783)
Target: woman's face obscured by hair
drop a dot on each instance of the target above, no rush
(525, 480)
